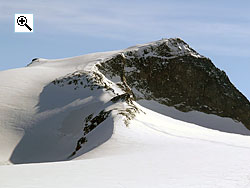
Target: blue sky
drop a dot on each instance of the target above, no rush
(217, 29)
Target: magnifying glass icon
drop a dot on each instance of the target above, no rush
(22, 21)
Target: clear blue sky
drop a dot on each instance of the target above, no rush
(218, 29)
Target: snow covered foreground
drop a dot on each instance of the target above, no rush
(41, 122)
(168, 153)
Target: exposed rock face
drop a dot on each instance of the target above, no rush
(173, 74)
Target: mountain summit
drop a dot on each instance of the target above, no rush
(56, 110)
(152, 115)
(173, 74)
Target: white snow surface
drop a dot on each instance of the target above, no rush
(40, 124)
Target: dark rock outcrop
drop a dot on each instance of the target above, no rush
(173, 74)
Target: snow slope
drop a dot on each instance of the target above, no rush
(169, 153)
(42, 122)
(33, 110)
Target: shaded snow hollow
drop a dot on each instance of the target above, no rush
(43, 121)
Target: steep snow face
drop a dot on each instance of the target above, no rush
(41, 121)
(56, 110)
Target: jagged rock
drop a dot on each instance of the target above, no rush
(173, 74)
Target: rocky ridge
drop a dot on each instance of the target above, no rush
(171, 73)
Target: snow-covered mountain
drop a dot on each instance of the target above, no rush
(152, 115)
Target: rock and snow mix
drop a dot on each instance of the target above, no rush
(69, 110)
